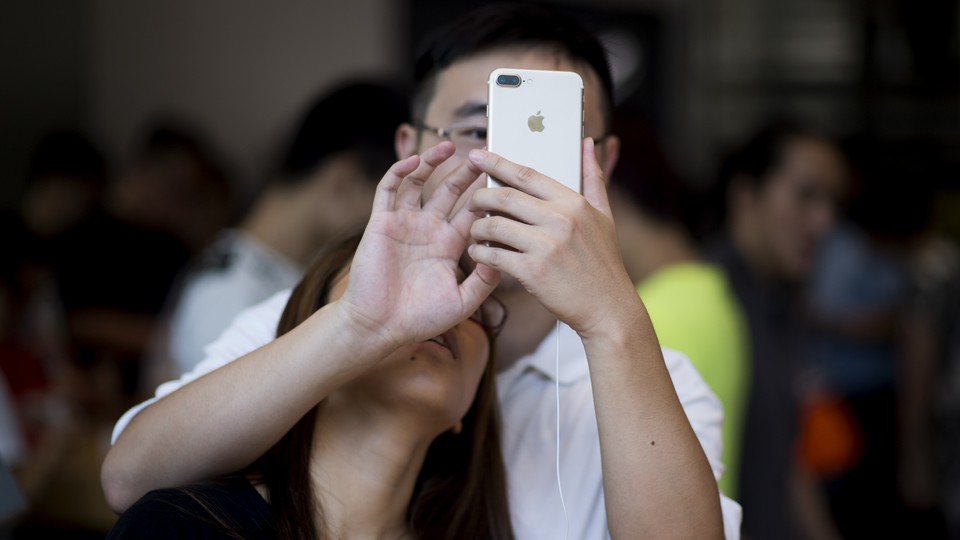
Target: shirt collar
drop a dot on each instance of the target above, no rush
(572, 357)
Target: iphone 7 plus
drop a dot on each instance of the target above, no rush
(536, 119)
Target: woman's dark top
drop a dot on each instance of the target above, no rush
(228, 509)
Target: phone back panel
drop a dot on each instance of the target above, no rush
(539, 123)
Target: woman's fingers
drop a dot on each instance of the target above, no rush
(478, 286)
(385, 197)
(408, 193)
(451, 189)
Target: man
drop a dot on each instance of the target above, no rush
(325, 183)
(654, 480)
(781, 190)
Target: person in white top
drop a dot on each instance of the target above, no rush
(234, 273)
(323, 184)
(639, 431)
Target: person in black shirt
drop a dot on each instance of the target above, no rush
(780, 193)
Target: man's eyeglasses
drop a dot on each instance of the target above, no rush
(465, 138)
(470, 137)
(491, 315)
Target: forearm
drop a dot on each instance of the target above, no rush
(223, 421)
(657, 481)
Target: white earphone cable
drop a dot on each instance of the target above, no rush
(566, 522)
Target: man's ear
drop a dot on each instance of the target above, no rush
(405, 141)
(457, 428)
(611, 153)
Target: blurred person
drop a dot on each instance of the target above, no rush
(324, 184)
(117, 267)
(176, 185)
(644, 409)
(67, 347)
(692, 306)
(780, 192)
(38, 416)
(66, 181)
(424, 414)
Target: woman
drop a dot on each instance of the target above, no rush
(407, 448)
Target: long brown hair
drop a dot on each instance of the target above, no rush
(460, 492)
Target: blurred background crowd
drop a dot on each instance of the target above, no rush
(790, 174)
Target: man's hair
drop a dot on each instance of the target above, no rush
(762, 153)
(753, 162)
(504, 26)
(360, 116)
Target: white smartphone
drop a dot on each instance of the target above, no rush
(535, 118)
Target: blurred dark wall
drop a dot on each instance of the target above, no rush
(42, 79)
(241, 71)
(712, 70)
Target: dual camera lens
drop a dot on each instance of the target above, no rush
(508, 80)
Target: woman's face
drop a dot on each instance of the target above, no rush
(438, 377)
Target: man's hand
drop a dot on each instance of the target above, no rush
(405, 283)
(564, 245)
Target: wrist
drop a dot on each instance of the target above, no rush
(366, 340)
(626, 321)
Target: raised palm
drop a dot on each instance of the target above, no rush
(405, 280)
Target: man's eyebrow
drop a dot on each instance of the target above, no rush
(470, 108)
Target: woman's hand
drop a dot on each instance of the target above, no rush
(405, 282)
(564, 246)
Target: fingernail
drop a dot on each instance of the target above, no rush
(476, 155)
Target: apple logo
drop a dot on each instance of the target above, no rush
(535, 122)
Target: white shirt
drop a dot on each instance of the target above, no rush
(234, 273)
(528, 403)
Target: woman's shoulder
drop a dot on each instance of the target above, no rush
(231, 508)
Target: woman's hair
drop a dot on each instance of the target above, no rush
(461, 489)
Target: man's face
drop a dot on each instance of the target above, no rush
(795, 208)
(460, 99)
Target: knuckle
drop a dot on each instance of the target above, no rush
(539, 272)
(566, 225)
(494, 259)
(554, 249)
(582, 205)
(526, 173)
(493, 225)
(455, 189)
